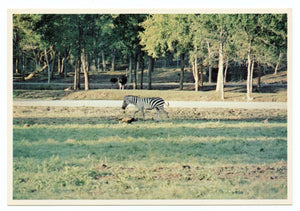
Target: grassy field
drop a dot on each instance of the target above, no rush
(169, 95)
(85, 153)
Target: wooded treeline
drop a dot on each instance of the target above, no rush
(74, 42)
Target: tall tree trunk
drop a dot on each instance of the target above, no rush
(103, 60)
(209, 74)
(259, 76)
(209, 63)
(182, 71)
(251, 77)
(17, 63)
(177, 59)
(97, 63)
(113, 58)
(59, 59)
(23, 67)
(135, 72)
(52, 64)
(89, 61)
(65, 58)
(142, 72)
(85, 68)
(64, 67)
(36, 60)
(77, 75)
(196, 73)
(225, 71)
(249, 73)
(150, 69)
(220, 80)
(78, 59)
(138, 69)
(201, 73)
(48, 64)
(278, 63)
(130, 69)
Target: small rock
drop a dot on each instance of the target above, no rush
(127, 120)
(186, 166)
(26, 126)
(68, 89)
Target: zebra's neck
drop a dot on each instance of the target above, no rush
(133, 99)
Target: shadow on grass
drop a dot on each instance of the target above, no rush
(114, 120)
(164, 144)
(263, 89)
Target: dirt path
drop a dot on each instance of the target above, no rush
(174, 104)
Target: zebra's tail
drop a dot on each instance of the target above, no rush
(167, 104)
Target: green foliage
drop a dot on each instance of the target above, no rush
(25, 35)
(166, 33)
(127, 35)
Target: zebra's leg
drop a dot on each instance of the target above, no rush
(166, 113)
(135, 113)
(158, 114)
(142, 110)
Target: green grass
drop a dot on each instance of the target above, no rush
(65, 155)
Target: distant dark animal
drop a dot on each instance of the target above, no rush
(122, 82)
(147, 103)
(113, 81)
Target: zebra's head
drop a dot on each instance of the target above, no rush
(125, 104)
(128, 100)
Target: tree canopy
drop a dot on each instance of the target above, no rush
(220, 41)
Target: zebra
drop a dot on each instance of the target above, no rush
(147, 103)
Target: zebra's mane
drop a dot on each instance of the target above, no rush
(131, 96)
(144, 97)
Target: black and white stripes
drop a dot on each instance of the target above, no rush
(145, 103)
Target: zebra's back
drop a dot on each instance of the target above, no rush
(151, 102)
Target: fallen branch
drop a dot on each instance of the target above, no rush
(36, 72)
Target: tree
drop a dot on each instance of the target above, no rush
(248, 23)
(152, 40)
(218, 30)
(126, 30)
(224, 26)
(102, 38)
(167, 33)
(26, 41)
(254, 40)
(261, 38)
(200, 47)
(274, 38)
